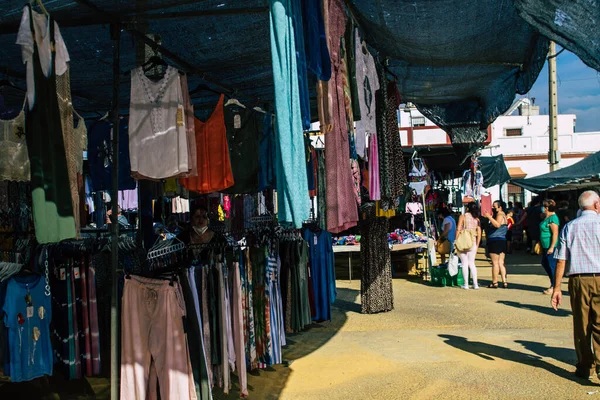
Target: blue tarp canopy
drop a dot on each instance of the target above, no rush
(585, 173)
(460, 61)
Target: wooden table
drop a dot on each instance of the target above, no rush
(356, 249)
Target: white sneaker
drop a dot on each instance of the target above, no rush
(466, 287)
(475, 287)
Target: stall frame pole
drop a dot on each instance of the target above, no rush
(115, 33)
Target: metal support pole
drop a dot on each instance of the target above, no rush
(350, 265)
(553, 157)
(115, 30)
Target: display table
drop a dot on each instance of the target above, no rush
(356, 249)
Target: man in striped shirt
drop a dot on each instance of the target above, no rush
(579, 244)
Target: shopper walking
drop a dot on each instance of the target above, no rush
(549, 229)
(469, 223)
(578, 244)
(534, 216)
(496, 243)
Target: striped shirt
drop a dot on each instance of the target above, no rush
(579, 243)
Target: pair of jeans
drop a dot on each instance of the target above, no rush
(549, 264)
(152, 334)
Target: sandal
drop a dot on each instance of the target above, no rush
(493, 285)
(505, 285)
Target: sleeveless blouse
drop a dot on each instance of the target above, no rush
(158, 145)
(14, 163)
(470, 222)
(214, 165)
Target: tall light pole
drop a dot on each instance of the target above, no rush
(553, 154)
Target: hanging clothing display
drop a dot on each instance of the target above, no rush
(374, 185)
(299, 35)
(190, 129)
(52, 204)
(214, 165)
(398, 170)
(322, 272)
(418, 176)
(48, 45)
(342, 212)
(153, 336)
(27, 315)
(317, 52)
(292, 188)
(472, 184)
(75, 139)
(14, 163)
(100, 156)
(266, 172)
(321, 190)
(368, 84)
(75, 314)
(158, 145)
(376, 290)
(350, 46)
(242, 137)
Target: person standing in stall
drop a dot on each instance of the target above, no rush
(496, 242)
(448, 230)
(198, 231)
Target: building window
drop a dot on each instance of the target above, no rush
(417, 121)
(514, 132)
(516, 194)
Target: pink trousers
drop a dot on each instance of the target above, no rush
(152, 333)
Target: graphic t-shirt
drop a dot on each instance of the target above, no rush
(27, 315)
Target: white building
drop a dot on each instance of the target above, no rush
(522, 139)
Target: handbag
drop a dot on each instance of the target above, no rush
(443, 247)
(453, 265)
(464, 241)
(538, 248)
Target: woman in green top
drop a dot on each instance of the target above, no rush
(548, 240)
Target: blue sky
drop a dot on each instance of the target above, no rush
(578, 91)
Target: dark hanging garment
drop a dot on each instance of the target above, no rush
(376, 289)
(100, 156)
(317, 51)
(350, 39)
(51, 193)
(242, 138)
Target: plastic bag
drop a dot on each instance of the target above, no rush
(453, 265)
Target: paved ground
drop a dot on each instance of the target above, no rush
(438, 343)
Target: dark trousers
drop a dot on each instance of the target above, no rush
(549, 264)
(585, 303)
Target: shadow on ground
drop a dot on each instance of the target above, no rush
(533, 307)
(269, 383)
(567, 356)
(492, 352)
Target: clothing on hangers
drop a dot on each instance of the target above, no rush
(157, 126)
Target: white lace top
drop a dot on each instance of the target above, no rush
(14, 162)
(158, 145)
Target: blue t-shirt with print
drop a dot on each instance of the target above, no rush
(27, 315)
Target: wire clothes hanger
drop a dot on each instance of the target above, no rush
(41, 5)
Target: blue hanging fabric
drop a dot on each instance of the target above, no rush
(292, 185)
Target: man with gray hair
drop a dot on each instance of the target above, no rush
(579, 244)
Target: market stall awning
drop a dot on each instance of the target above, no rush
(460, 61)
(494, 171)
(585, 173)
(516, 173)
